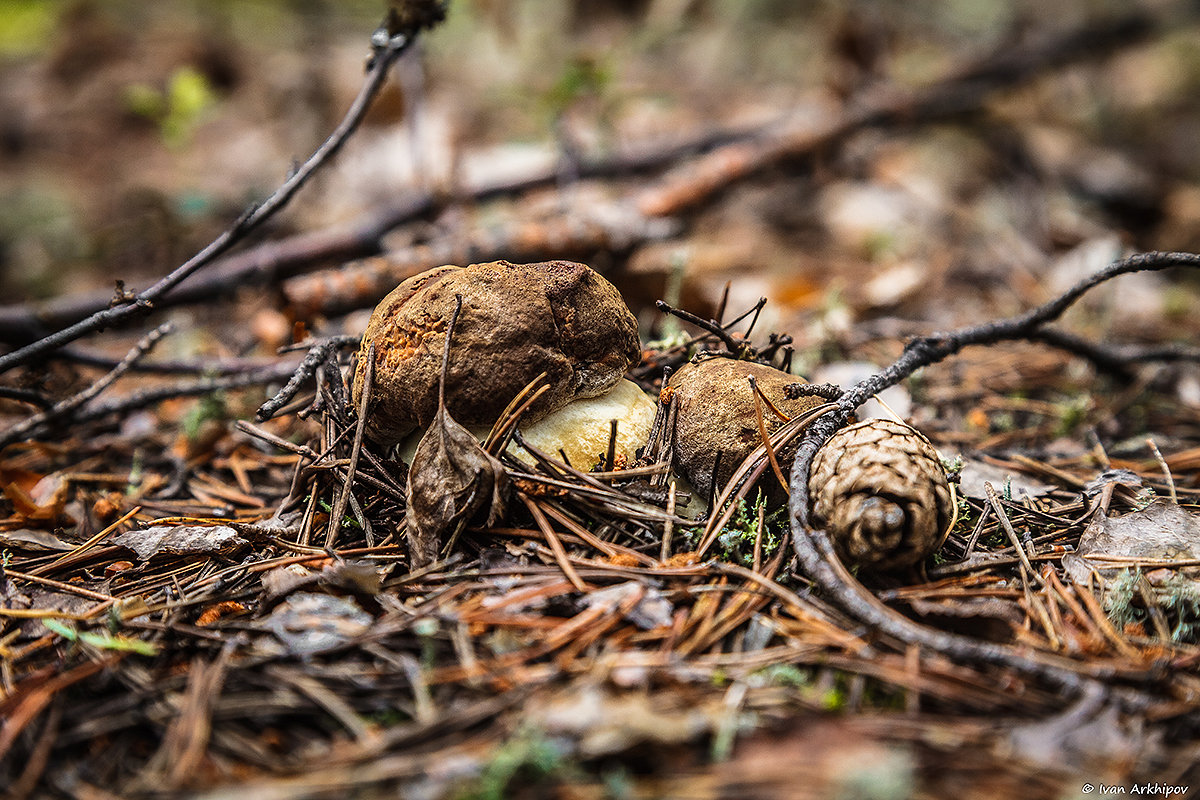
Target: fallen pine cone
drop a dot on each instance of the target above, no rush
(878, 488)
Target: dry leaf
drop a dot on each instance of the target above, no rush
(25, 539)
(451, 478)
(174, 540)
(1160, 531)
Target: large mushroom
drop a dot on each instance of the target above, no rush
(716, 422)
(517, 321)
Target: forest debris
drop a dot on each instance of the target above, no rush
(518, 320)
(863, 215)
(357, 577)
(895, 283)
(1088, 738)
(718, 416)
(848, 373)
(175, 540)
(985, 617)
(308, 623)
(975, 473)
(652, 609)
(606, 722)
(37, 541)
(282, 581)
(1161, 532)
(880, 489)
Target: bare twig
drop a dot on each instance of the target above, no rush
(203, 386)
(26, 396)
(318, 354)
(1119, 360)
(64, 408)
(815, 551)
(385, 54)
(339, 506)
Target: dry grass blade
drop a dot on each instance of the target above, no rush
(339, 506)
(560, 553)
(998, 510)
(749, 471)
(762, 431)
(498, 436)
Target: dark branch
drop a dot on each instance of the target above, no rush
(815, 551)
(385, 54)
(318, 354)
(1118, 360)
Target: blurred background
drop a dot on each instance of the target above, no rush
(132, 133)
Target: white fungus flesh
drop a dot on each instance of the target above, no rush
(581, 429)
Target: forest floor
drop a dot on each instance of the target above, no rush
(182, 612)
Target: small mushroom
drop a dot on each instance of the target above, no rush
(517, 321)
(717, 416)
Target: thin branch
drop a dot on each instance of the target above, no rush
(384, 56)
(64, 408)
(29, 396)
(815, 551)
(204, 386)
(197, 366)
(1118, 360)
(317, 355)
(711, 325)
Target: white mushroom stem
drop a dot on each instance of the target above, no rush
(581, 429)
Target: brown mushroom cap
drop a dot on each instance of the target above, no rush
(716, 414)
(517, 320)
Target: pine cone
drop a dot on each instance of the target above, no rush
(879, 489)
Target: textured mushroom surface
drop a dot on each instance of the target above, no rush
(716, 414)
(879, 490)
(517, 321)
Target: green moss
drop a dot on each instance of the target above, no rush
(210, 408)
(26, 25)
(735, 542)
(178, 109)
(528, 757)
(1118, 599)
